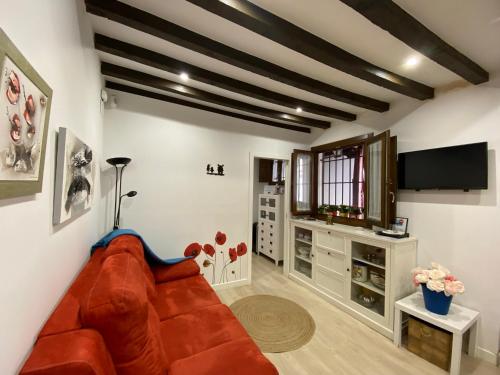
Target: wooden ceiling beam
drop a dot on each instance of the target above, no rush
(153, 95)
(262, 22)
(156, 26)
(391, 17)
(171, 65)
(141, 78)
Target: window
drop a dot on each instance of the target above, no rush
(352, 179)
(341, 178)
(302, 174)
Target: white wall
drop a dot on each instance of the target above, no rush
(39, 260)
(459, 230)
(170, 145)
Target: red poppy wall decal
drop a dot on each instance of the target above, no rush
(233, 256)
(211, 260)
(241, 249)
(209, 249)
(193, 250)
(220, 238)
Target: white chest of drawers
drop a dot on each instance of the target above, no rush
(270, 228)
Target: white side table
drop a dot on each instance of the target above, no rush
(458, 321)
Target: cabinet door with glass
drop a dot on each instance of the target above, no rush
(302, 252)
(269, 201)
(368, 280)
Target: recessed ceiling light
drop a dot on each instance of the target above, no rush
(184, 76)
(298, 110)
(411, 62)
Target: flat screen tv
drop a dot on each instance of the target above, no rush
(463, 167)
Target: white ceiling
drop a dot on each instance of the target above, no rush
(473, 27)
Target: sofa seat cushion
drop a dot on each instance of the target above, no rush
(177, 271)
(119, 309)
(183, 296)
(240, 357)
(199, 330)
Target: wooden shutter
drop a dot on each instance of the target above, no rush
(379, 185)
(302, 182)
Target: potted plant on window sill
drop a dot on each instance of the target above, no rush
(356, 213)
(331, 212)
(322, 210)
(343, 210)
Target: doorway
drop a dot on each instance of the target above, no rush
(269, 210)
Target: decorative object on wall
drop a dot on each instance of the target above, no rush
(25, 100)
(222, 262)
(119, 163)
(218, 172)
(438, 286)
(75, 177)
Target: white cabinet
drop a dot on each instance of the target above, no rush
(270, 228)
(354, 268)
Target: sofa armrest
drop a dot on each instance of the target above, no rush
(239, 356)
(80, 352)
(177, 271)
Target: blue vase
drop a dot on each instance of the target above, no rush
(436, 302)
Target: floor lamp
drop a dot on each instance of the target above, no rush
(119, 163)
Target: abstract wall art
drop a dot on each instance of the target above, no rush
(75, 177)
(25, 100)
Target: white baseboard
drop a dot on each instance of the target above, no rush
(488, 356)
(231, 284)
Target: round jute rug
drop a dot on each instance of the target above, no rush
(276, 324)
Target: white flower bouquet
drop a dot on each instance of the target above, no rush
(438, 279)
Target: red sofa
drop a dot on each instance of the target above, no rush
(122, 317)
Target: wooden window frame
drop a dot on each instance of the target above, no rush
(388, 179)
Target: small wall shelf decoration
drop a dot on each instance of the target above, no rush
(215, 172)
(25, 100)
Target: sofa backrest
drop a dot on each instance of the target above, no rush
(133, 246)
(118, 307)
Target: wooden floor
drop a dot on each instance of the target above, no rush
(341, 344)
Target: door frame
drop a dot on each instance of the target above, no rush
(286, 208)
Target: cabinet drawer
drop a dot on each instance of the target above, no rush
(330, 241)
(331, 260)
(330, 282)
(271, 227)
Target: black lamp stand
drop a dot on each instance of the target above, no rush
(119, 163)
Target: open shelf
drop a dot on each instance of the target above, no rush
(304, 241)
(361, 260)
(303, 258)
(368, 285)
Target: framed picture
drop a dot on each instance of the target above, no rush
(75, 177)
(400, 224)
(25, 100)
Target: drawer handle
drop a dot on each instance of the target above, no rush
(262, 231)
(312, 255)
(329, 232)
(261, 246)
(270, 251)
(270, 242)
(328, 253)
(271, 225)
(348, 270)
(262, 239)
(271, 234)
